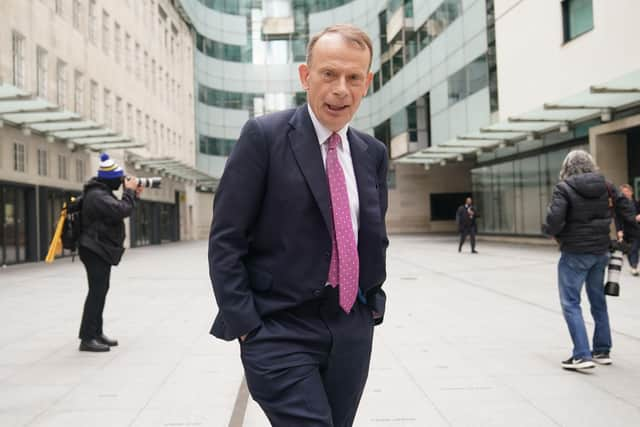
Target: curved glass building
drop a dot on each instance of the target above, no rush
(434, 78)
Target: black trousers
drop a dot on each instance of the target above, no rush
(308, 366)
(98, 275)
(471, 232)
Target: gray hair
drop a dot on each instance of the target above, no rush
(577, 162)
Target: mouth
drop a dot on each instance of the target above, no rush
(336, 108)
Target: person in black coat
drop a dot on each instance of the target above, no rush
(628, 232)
(466, 219)
(101, 244)
(579, 218)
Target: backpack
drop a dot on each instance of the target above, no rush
(72, 224)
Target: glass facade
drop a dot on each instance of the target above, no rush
(512, 196)
(433, 27)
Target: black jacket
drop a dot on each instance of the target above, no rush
(631, 231)
(464, 219)
(103, 220)
(579, 216)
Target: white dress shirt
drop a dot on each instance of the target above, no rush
(344, 157)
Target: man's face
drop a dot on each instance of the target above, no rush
(469, 201)
(336, 79)
(627, 192)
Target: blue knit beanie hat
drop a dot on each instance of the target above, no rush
(108, 168)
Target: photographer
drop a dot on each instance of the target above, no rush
(100, 242)
(629, 232)
(579, 218)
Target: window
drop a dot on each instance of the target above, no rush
(129, 120)
(18, 60)
(107, 108)
(78, 92)
(216, 146)
(577, 16)
(76, 14)
(468, 80)
(147, 131)
(153, 75)
(43, 162)
(119, 115)
(138, 60)
(146, 69)
(139, 124)
(62, 167)
(80, 170)
(93, 106)
(117, 47)
(127, 46)
(93, 21)
(61, 88)
(105, 32)
(18, 157)
(41, 72)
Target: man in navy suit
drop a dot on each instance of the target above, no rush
(298, 242)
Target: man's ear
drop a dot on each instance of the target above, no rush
(368, 82)
(303, 72)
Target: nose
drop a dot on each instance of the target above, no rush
(340, 87)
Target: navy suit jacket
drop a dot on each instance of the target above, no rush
(270, 240)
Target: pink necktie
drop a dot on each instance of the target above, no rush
(344, 266)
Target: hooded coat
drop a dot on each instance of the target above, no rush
(103, 214)
(579, 215)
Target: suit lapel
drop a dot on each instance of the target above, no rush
(306, 150)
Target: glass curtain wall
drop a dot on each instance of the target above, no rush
(512, 196)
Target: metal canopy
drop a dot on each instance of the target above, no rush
(175, 168)
(598, 101)
(9, 91)
(21, 109)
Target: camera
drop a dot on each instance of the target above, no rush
(150, 182)
(617, 249)
(147, 182)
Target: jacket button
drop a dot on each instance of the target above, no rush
(327, 255)
(317, 292)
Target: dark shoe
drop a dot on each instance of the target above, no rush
(93, 345)
(474, 251)
(460, 249)
(602, 358)
(576, 364)
(103, 339)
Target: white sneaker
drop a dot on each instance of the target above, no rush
(634, 272)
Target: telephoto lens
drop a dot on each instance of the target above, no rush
(149, 182)
(612, 287)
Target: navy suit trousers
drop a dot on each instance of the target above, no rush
(308, 366)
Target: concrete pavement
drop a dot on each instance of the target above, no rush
(469, 340)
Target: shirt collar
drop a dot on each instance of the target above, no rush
(323, 133)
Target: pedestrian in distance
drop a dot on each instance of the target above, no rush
(298, 241)
(466, 219)
(101, 244)
(579, 218)
(628, 232)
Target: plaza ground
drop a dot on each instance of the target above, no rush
(468, 340)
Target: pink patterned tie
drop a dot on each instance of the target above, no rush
(344, 266)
